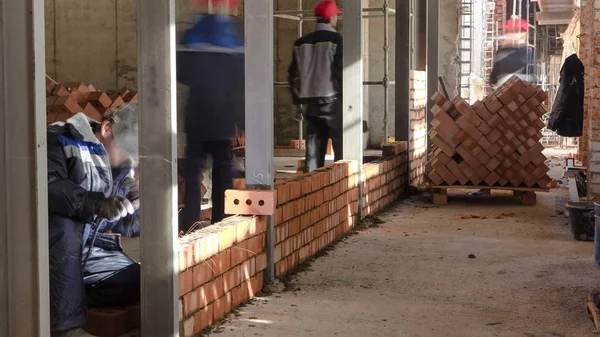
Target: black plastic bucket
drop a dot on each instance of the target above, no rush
(581, 215)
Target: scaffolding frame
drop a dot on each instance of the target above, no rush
(465, 48)
(490, 41)
(301, 15)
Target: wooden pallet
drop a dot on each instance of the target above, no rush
(593, 309)
(527, 195)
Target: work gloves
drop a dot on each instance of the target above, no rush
(114, 208)
(134, 193)
(299, 115)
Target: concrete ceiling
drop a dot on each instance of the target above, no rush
(555, 12)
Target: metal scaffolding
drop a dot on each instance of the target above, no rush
(490, 40)
(465, 48)
(300, 16)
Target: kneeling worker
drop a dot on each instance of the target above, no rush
(92, 195)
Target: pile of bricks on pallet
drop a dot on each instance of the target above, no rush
(63, 100)
(495, 142)
(220, 267)
(317, 208)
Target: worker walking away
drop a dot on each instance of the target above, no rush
(210, 61)
(92, 196)
(513, 57)
(315, 78)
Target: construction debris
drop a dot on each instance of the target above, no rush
(493, 143)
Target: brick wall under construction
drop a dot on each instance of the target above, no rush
(222, 266)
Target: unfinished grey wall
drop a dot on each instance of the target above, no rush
(375, 67)
(448, 53)
(95, 41)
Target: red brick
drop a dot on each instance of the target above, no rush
(222, 262)
(186, 282)
(281, 267)
(250, 202)
(203, 318)
(242, 230)
(240, 294)
(256, 285)
(222, 306)
(295, 189)
(255, 245)
(185, 256)
(283, 193)
(202, 273)
(193, 301)
(261, 262)
(239, 253)
(278, 216)
(247, 269)
(214, 289)
(294, 226)
(99, 100)
(231, 279)
(227, 236)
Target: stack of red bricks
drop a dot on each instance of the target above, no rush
(495, 142)
(63, 100)
(220, 267)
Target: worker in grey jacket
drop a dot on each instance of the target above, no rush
(315, 78)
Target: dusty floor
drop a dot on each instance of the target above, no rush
(412, 276)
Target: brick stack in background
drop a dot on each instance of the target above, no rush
(495, 142)
(220, 267)
(417, 155)
(317, 208)
(295, 144)
(63, 100)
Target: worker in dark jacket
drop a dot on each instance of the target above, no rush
(210, 61)
(315, 78)
(513, 57)
(92, 196)
(566, 117)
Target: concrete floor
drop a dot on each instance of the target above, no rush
(412, 276)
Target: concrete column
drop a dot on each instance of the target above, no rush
(353, 90)
(433, 38)
(158, 167)
(24, 283)
(403, 67)
(258, 30)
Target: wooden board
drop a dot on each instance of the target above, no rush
(502, 188)
(593, 309)
(527, 196)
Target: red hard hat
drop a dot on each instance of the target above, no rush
(518, 25)
(327, 9)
